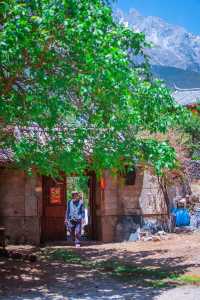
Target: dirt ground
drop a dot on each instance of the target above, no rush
(125, 271)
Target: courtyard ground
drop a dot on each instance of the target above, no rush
(162, 270)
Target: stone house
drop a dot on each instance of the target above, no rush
(32, 209)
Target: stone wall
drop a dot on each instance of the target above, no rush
(124, 208)
(195, 187)
(20, 205)
(120, 209)
(151, 200)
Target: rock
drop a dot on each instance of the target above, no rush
(184, 229)
(194, 197)
(156, 238)
(161, 232)
(147, 238)
(135, 236)
(144, 233)
(164, 237)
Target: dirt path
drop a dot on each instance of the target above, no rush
(103, 271)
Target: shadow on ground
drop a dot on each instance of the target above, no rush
(61, 272)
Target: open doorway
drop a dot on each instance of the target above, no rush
(56, 193)
(85, 186)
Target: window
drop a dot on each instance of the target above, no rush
(130, 177)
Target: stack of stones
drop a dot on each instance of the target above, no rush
(154, 231)
(193, 202)
(155, 237)
(194, 207)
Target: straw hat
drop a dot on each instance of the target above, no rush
(74, 192)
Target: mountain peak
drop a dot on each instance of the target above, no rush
(134, 12)
(174, 46)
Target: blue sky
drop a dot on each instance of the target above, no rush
(185, 13)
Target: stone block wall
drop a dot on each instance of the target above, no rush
(151, 199)
(98, 212)
(20, 205)
(124, 208)
(119, 208)
(195, 186)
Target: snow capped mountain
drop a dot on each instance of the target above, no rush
(173, 46)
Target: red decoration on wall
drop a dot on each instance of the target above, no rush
(55, 195)
(102, 183)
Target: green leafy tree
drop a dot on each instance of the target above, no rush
(73, 96)
(192, 128)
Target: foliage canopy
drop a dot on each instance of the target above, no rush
(192, 128)
(72, 93)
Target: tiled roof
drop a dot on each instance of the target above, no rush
(187, 97)
(5, 156)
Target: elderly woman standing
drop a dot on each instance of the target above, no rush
(75, 217)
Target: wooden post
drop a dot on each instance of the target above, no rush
(2, 238)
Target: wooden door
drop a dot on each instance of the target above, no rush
(54, 207)
(92, 205)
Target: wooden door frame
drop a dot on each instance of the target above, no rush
(92, 202)
(46, 202)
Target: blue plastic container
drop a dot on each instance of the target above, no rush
(182, 216)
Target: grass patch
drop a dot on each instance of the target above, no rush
(63, 255)
(120, 269)
(176, 279)
(143, 276)
(157, 284)
(187, 278)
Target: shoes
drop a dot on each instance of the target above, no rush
(77, 245)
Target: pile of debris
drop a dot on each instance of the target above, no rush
(186, 213)
(193, 203)
(185, 218)
(150, 231)
(194, 207)
(146, 235)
